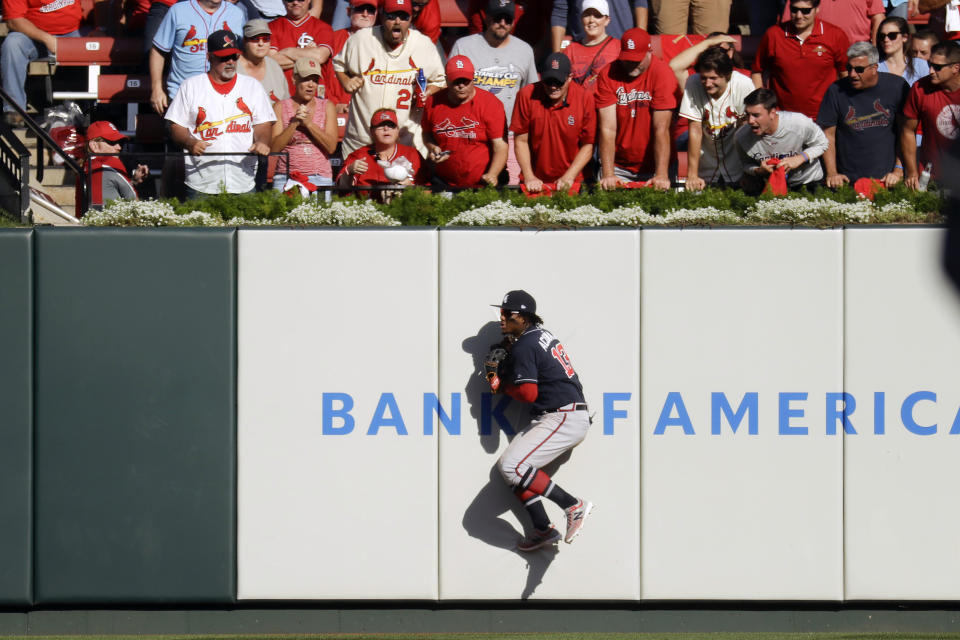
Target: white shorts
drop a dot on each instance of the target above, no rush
(542, 442)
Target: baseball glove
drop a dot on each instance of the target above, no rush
(491, 366)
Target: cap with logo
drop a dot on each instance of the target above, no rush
(390, 6)
(518, 300)
(306, 67)
(634, 45)
(556, 68)
(599, 5)
(459, 68)
(105, 130)
(383, 115)
(359, 3)
(498, 7)
(223, 43)
(256, 27)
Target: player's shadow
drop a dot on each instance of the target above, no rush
(482, 519)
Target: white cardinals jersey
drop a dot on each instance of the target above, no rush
(225, 122)
(389, 78)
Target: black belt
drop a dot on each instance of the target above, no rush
(579, 406)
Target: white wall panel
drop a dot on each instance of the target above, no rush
(902, 337)
(586, 287)
(735, 515)
(336, 516)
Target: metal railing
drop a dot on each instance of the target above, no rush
(44, 141)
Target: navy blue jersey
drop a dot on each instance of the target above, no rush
(538, 357)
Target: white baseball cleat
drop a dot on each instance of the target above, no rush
(539, 539)
(575, 517)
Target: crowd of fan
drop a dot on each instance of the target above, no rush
(820, 105)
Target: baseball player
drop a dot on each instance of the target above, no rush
(531, 365)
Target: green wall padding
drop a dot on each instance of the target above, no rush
(135, 416)
(16, 415)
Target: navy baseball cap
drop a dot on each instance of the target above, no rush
(223, 43)
(556, 68)
(518, 300)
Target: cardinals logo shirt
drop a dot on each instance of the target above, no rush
(183, 34)
(719, 119)
(225, 120)
(388, 76)
(466, 130)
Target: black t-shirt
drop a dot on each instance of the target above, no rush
(538, 357)
(866, 122)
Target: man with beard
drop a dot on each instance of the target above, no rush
(389, 66)
(221, 112)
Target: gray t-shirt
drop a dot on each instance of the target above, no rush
(795, 133)
(274, 82)
(114, 186)
(502, 71)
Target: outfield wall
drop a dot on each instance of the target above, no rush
(218, 416)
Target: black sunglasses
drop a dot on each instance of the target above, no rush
(804, 10)
(502, 17)
(937, 67)
(397, 15)
(892, 35)
(365, 8)
(858, 69)
(233, 57)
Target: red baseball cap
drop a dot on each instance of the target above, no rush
(634, 45)
(459, 68)
(105, 130)
(360, 3)
(383, 115)
(389, 6)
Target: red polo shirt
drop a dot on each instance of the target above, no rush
(466, 129)
(556, 131)
(636, 99)
(308, 30)
(801, 72)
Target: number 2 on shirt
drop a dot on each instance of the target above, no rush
(564, 360)
(403, 99)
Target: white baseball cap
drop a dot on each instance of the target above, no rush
(599, 5)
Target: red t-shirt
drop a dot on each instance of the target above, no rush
(374, 174)
(556, 132)
(586, 63)
(53, 16)
(467, 130)
(309, 30)
(428, 22)
(636, 99)
(938, 112)
(801, 72)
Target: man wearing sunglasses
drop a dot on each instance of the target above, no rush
(801, 58)
(860, 117)
(221, 112)
(389, 66)
(555, 123)
(934, 102)
(859, 19)
(504, 64)
(299, 35)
